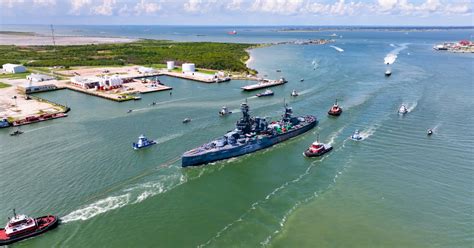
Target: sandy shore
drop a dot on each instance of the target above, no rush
(25, 40)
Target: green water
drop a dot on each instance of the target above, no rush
(396, 188)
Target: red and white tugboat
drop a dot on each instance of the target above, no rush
(20, 227)
(335, 110)
(317, 149)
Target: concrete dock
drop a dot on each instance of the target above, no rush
(264, 84)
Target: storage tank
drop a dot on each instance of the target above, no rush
(170, 65)
(188, 67)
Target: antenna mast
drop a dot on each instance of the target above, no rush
(52, 35)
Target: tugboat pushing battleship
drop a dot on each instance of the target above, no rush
(251, 134)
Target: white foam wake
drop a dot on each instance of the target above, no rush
(391, 57)
(338, 49)
(97, 208)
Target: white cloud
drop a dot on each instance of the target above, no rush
(146, 7)
(201, 6)
(387, 4)
(277, 6)
(106, 8)
(234, 5)
(193, 6)
(459, 8)
(44, 2)
(77, 5)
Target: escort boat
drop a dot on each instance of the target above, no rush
(20, 227)
(429, 132)
(317, 149)
(265, 93)
(143, 142)
(403, 110)
(356, 136)
(335, 110)
(294, 93)
(225, 111)
(250, 135)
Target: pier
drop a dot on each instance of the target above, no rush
(264, 84)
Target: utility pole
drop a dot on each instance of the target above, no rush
(52, 35)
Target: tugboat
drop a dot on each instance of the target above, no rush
(250, 135)
(16, 133)
(143, 142)
(356, 136)
(20, 227)
(317, 149)
(224, 111)
(403, 110)
(187, 120)
(294, 93)
(266, 93)
(335, 110)
(429, 132)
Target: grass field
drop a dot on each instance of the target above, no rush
(4, 85)
(216, 56)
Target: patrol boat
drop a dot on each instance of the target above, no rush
(143, 142)
(251, 134)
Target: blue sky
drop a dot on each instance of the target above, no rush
(238, 12)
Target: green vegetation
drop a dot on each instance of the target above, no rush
(15, 75)
(4, 85)
(217, 56)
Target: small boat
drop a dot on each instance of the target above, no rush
(129, 111)
(20, 227)
(224, 111)
(294, 93)
(301, 80)
(143, 142)
(153, 104)
(388, 72)
(317, 149)
(356, 136)
(429, 132)
(265, 93)
(278, 70)
(233, 32)
(335, 110)
(16, 133)
(402, 110)
(187, 120)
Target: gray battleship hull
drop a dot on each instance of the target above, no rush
(239, 150)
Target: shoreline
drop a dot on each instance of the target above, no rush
(20, 39)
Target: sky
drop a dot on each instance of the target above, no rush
(239, 12)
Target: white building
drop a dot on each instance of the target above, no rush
(36, 77)
(188, 67)
(146, 70)
(12, 68)
(170, 65)
(112, 81)
(85, 83)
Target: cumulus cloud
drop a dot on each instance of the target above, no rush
(234, 5)
(44, 2)
(277, 6)
(106, 8)
(78, 5)
(201, 6)
(145, 7)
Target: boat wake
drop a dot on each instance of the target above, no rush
(334, 135)
(368, 132)
(391, 57)
(338, 49)
(131, 195)
(168, 138)
(411, 106)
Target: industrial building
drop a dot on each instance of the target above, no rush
(170, 65)
(146, 70)
(188, 67)
(36, 77)
(13, 68)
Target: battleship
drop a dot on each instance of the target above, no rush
(251, 134)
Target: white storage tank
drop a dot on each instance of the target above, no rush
(170, 65)
(188, 67)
